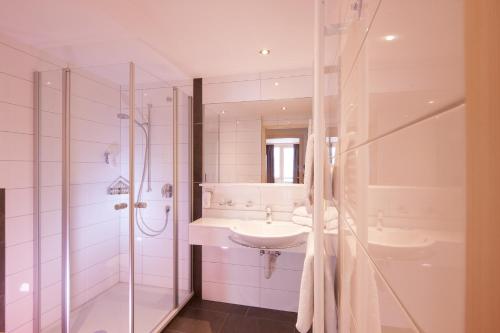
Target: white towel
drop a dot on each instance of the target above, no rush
(307, 222)
(309, 174)
(330, 212)
(206, 199)
(306, 298)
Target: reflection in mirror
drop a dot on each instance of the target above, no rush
(256, 141)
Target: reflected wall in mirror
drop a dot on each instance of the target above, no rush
(256, 141)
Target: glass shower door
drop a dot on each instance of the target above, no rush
(154, 288)
(99, 175)
(111, 208)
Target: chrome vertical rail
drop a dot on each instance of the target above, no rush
(319, 156)
(218, 149)
(66, 141)
(148, 143)
(190, 182)
(131, 196)
(175, 214)
(36, 200)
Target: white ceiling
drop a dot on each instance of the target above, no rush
(173, 39)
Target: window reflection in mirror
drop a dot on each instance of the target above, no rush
(283, 160)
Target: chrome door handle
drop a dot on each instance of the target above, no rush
(121, 205)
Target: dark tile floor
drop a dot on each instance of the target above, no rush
(201, 316)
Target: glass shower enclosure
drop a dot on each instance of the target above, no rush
(112, 200)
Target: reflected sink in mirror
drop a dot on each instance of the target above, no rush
(393, 243)
(274, 235)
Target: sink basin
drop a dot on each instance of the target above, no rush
(272, 236)
(393, 243)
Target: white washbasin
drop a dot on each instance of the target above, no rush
(274, 235)
(397, 243)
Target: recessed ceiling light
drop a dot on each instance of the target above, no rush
(390, 38)
(264, 51)
(222, 112)
(431, 102)
(283, 108)
(276, 84)
(49, 83)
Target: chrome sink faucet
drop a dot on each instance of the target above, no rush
(269, 215)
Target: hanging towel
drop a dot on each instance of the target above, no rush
(330, 212)
(306, 298)
(206, 199)
(309, 175)
(307, 222)
(302, 217)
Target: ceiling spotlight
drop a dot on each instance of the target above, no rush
(276, 84)
(283, 108)
(390, 38)
(430, 102)
(264, 51)
(49, 83)
(222, 112)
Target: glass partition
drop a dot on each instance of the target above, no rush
(154, 294)
(47, 283)
(90, 234)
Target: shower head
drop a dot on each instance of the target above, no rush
(122, 116)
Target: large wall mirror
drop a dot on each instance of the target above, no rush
(257, 141)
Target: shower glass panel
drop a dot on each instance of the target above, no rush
(82, 223)
(154, 195)
(98, 177)
(184, 114)
(47, 259)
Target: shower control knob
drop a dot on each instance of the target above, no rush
(141, 205)
(121, 205)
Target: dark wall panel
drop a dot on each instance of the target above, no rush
(197, 175)
(2, 260)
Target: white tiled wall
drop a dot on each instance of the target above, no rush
(256, 87)
(402, 171)
(240, 151)
(236, 275)
(17, 64)
(96, 259)
(232, 149)
(94, 222)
